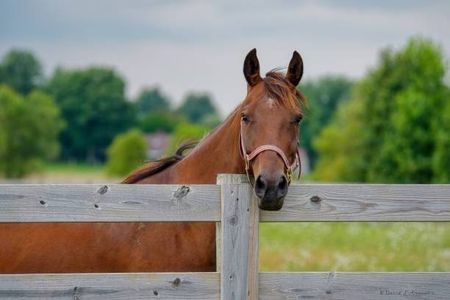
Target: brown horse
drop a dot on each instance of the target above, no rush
(260, 137)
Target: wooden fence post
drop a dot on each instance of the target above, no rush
(239, 239)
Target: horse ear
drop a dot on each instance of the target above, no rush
(251, 68)
(295, 69)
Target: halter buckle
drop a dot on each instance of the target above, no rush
(289, 176)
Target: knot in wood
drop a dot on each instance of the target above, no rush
(315, 199)
(233, 220)
(181, 192)
(102, 190)
(76, 293)
(176, 282)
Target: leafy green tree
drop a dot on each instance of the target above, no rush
(391, 129)
(127, 152)
(186, 132)
(152, 101)
(415, 96)
(324, 95)
(198, 108)
(441, 154)
(93, 104)
(160, 122)
(29, 128)
(21, 70)
(341, 145)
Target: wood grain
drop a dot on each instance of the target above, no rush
(364, 202)
(304, 202)
(308, 285)
(358, 286)
(253, 250)
(239, 253)
(111, 286)
(108, 203)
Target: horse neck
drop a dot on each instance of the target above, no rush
(217, 153)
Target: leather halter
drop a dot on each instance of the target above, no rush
(290, 168)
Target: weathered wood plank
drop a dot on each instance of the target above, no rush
(253, 250)
(239, 254)
(222, 179)
(364, 202)
(305, 202)
(206, 286)
(218, 246)
(356, 286)
(111, 286)
(108, 203)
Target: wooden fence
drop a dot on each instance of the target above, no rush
(230, 204)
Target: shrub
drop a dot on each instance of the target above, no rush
(29, 128)
(127, 151)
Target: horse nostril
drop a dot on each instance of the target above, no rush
(260, 187)
(282, 186)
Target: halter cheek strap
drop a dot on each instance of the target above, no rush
(290, 168)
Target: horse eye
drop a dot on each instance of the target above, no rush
(298, 119)
(245, 118)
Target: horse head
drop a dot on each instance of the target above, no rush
(269, 129)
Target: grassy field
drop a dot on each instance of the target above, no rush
(355, 246)
(319, 246)
(71, 173)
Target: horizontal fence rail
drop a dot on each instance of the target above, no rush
(364, 202)
(307, 285)
(108, 203)
(351, 285)
(304, 202)
(111, 286)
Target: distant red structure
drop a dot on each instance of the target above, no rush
(157, 144)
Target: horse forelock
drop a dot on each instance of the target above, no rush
(281, 92)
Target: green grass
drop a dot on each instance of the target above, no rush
(355, 246)
(72, 167)
(70, 173)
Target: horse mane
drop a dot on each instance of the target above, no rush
(279, 88)
(156, 166)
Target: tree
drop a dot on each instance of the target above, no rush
(93, 103)
(152, 101)
(160, 122)
(29, 128)
(127, 152)
(392, 128)
(414, 97)
(186, 132)
(441, 154)
(198, 108)
(341, 145)
(324, 95)
(21, 70)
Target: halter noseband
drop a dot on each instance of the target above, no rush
(290, 168)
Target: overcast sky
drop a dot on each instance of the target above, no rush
(200, 45)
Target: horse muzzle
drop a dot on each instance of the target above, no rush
(271, 191)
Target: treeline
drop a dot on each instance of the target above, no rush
(393, 125)
(76, 113)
